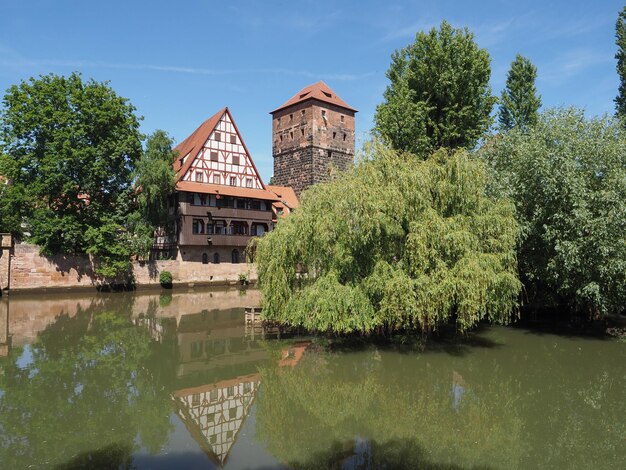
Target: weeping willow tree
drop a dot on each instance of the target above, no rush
(394, 244)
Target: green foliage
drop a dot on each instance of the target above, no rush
(421, 245)
(567, 176)
(439, 94)
(620, 55)
(89, 388)
(112, 255)
(156, 180)
(519, 106)
(72, 145)
(165, 278)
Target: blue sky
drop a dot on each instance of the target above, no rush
(181, 61)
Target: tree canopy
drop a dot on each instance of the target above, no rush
(567, 176)
(70, 149)
(519, 106)
(439, 95)
(420, 246)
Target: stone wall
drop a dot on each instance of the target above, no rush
(31, 271)
(308, 139)
(6, 244)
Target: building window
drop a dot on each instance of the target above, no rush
(197, 226)
(235, 159)
(216, 179)
(302, 132)
(281, 137)
(213, 395)
(218, 136)
(344, 136)
(235, 257)
(232, 412)
(205, 258)
(199, 177)
(233, 181)
(303, 112)
(248, 182)
(290, 117)
(229, 435)
(291, 135)
(324, 113)
(216, 258)
(210, 418)
(214, 156)
(342, 116)
(195, 399)
(230, 391)
(334, 135)
(233, 139)
(196, 349)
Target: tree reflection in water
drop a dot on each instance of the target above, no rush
(88, 396)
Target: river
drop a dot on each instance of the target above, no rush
(177, 380)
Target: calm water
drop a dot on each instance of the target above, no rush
(149, 381)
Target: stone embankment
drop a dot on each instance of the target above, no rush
(23, 269)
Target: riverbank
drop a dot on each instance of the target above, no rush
(26, 271)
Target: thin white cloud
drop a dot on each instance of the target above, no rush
(571, 64)
(80, 64)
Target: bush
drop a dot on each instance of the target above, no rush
(165, 278)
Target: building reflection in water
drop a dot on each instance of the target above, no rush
(5, 337)
(214, 344)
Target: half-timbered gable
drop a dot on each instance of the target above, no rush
(222, 158)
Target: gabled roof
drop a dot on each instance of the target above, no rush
(191, 146)
(195, 142)
(318, 91)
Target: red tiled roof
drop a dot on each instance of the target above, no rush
(318, 91)
(224, 190)
(286, 194)
(195, 142)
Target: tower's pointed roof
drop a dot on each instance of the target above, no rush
(318, 91)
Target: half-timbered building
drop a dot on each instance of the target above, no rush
(221, 199)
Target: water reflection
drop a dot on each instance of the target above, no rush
(151, 381)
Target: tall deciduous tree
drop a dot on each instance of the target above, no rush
(439, 95)
(620, 55)
(421, 246)
(519, 106)
(71, 147)
(567, 176)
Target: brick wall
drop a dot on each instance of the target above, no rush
(306, 146)
(31, 271)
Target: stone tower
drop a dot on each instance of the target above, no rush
(313, 136)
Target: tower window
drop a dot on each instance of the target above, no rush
(334, 135)
(233, 139)
(303, 112)
(342, 116)
(327, 94)
(281, 137)
(291, 135)
(344, 136)
(324, 113)
(302, 132)
(291, 117)
(278, 121)
(218, 136)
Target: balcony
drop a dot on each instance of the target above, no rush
(217, 240)
(225, 212)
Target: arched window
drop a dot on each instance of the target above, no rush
(205, 258)
(235, 257)
(216, 258)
